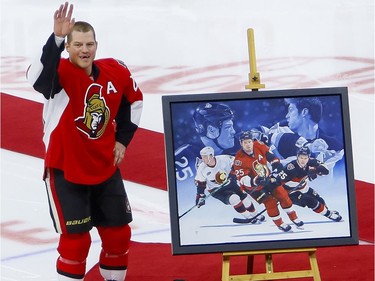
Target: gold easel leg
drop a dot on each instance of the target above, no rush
(225, 271)
(314, 266)
(269, 264)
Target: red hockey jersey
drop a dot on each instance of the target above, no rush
(83, 118)
(254, 165)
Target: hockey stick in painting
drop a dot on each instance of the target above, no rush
(249, 220)
(208, 196)
(299, 185)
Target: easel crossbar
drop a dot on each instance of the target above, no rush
(262, 252)
(273, 276)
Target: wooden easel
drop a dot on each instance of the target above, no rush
(255, 85)
(270, 274)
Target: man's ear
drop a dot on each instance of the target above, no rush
(67, 47)
(304, 112)
(212, 132)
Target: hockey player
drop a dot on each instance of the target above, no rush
(214, 124)
(213, 175)
(251, 169)
(296, 177)
(91, 110)
(301, 128)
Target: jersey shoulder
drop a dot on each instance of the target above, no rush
(314, 162)
(291, 165)
(112, 64)
(224, 157)
(260, 147)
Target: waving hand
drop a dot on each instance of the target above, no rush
(63, 22)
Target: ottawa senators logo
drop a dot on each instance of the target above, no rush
(96, 113)
(260, 169)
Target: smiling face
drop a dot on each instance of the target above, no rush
(82, 49)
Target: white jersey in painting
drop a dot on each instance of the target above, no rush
(207, 173)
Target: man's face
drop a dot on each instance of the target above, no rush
(302, 160)
(207, 159)
(247, 146)
(82, 50)
(293, 117)
(226, 137)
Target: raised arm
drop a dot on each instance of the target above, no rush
(42, 73)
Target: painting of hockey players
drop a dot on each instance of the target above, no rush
(264, 169)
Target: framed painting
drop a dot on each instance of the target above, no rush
(259, 170)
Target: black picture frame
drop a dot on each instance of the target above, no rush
(210, 229)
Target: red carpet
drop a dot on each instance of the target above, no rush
(154, 261)
(365, 210)
(23, 133)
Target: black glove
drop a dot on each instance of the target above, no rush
(263, 181)
(200, 199)
(312, 174)
(277, 167)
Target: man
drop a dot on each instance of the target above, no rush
(303, 117)
(251, 169)
(92, 109)
(214, 124)
(302, 129)
(296, 176)
(213, 175)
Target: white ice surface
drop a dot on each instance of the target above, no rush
(28, 239)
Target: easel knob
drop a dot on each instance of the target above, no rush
(254, 76)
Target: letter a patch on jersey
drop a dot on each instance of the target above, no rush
(111, 88)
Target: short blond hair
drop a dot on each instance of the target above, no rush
(81, 26)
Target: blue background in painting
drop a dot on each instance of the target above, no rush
(250, 113)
